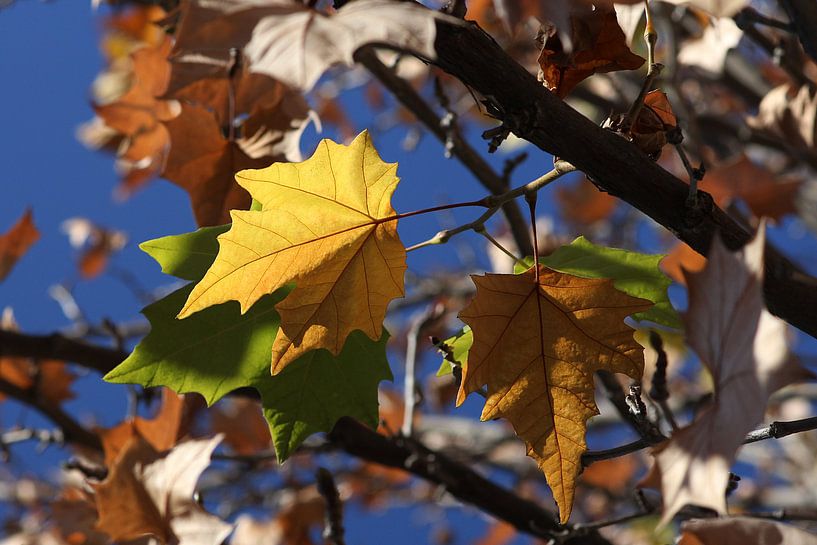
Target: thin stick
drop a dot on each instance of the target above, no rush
(496, 243)
(333, 531)
(494, 203)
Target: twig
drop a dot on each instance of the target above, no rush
(646, 509)
(592, 456)
(333, 519)
(659, 391)
(496, 202)
(459, 148)
(632, 115)
(421, 322)
(776, 430)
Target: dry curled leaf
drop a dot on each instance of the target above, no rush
(718, 8)
(790, 115)
(97, 244)
(295, 44)
(204, 162)
(741, 178)
(743, 531)
(171, 423)
(148, 493)
(536, 346)
(598, 44)
(241, 422)
(746, 350)
(301, 513)
(583, 203)
(137, 115)
(326, 225)
(15, 242)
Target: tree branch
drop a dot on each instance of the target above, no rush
(457, 479)
(616, 166)
(474, 162)
(72, 431)
(58, 347)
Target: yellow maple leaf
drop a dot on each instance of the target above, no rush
(536, 346)
(328, 226)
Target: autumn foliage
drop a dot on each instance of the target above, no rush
(622, 354)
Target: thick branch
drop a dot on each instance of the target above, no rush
(474, 162)
(58, 347)
(615, 165)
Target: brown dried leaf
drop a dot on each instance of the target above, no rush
(302, 511)
(614, 475)
(295, 44)
(138, 114)
(203, 162)
(682, 258)
(754, 184)
(148, 493)
(743, 531)
(536, 346)
(97, 244)
(789, 116)
(583, 203)
(599, 46)
(718, 8)
(171, 423)
(15, 242)
(745, 348)
(243, 425)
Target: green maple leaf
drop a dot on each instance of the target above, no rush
(219, 350)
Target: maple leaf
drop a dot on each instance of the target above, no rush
(15, 242)
(745, 349)
(323, 228)
(219, 350)
(151, 493)
(295, 44)
(743, 531)
(598, 45)
(536, 346)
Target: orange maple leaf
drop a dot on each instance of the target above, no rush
(536, 346)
